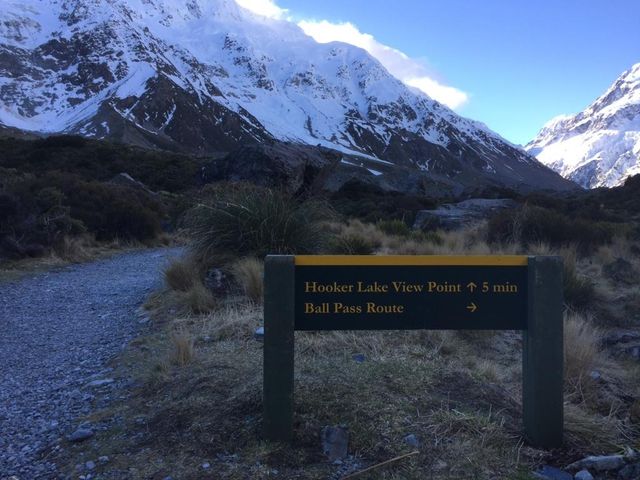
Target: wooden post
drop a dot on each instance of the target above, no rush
(279, 317)
(543, 355)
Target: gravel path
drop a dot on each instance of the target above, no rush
(58, 330)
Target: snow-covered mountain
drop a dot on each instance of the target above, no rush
(207, 75)
(600, 146)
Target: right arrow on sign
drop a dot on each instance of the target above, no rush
(472, 308)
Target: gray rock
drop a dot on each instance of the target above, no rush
(412, 440)
(259, 334)
(595, 375)
(547, 472)
(206, 465)
(583, 475)
(630, 472)
(614, 338)
(335, 442)
(599, 463)
(90, 465)
(634, 352)
(80, 434)
(217, 281)
(455, 215)
(100, 382)
(358, 357)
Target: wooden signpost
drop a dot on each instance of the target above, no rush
(418, 292)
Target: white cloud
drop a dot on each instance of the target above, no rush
(267, 8)
(411, 71)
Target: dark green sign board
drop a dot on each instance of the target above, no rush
(418, 292)
(392, 297)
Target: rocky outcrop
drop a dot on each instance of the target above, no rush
(465, 213)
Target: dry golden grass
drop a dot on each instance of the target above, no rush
(249, 273)
(198, 299)
(582, 352)
(620, 247)
(231, 322)
(598, 434)
(183, 350)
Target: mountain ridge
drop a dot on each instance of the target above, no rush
(202, 76)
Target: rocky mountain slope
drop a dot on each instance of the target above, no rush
(205, 76)
(600, 146)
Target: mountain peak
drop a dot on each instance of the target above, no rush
(599, 146)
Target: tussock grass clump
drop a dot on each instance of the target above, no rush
(249, 273)
(594, 433)
(181, 274)
(198, 299)
(183, 349)
(581, 349)
(578, 290)
(251, 221)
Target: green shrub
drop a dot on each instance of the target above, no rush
(532, 224)
(246, 221)
(371, 204)
(37, 211)
(101, 160)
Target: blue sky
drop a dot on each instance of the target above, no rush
(512, 64)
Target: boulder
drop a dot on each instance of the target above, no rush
(335, 442)
(583, 475)
(547, 472)
(599, 463)
(291, 167)
(455, 215)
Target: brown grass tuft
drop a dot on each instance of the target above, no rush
(181, 274)
(183, 350)
(249, 273)
(581, 349)
(198, 299)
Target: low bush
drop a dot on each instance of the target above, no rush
(351, 244)
(249, 221)
(532, 224)
(371, 204)
(39, 211)
(394, 227)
